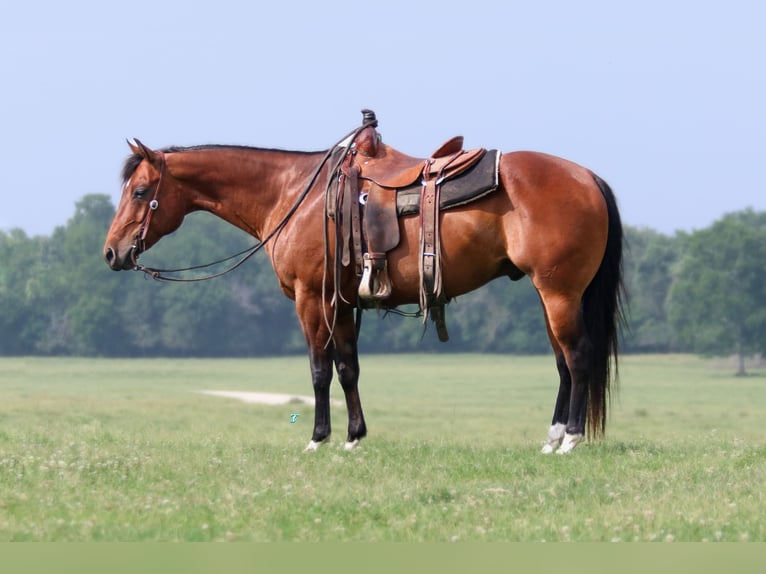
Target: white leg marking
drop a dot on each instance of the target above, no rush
(313, 446)
(349, 446)
(570, 441)
(555, 436)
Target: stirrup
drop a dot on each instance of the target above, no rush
(374, 286)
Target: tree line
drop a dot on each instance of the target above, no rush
(702, 292)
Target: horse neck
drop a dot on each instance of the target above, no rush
(252, 189)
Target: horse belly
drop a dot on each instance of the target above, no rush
(472, 248)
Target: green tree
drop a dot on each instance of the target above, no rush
(501, 317)
(650, 258)
(81, 301)
(22, 313)
(717, 302)
(239, 314)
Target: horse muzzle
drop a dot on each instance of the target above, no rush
(116, 262)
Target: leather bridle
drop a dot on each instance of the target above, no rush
(139, 242)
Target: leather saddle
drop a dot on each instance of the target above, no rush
(368, 203)
(392, 168)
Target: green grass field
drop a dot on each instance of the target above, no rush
(127, 450)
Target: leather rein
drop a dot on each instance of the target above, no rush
(245, 254)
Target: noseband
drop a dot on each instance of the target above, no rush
(139, 242)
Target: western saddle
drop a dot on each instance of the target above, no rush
(364, 204)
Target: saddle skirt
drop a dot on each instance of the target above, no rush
(474, 183)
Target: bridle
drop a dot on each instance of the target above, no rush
(139, 241)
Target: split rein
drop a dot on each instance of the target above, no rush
(245, 254)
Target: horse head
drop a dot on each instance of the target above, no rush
(150, 207)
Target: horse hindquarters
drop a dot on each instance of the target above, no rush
(584, 338)
(564, 231)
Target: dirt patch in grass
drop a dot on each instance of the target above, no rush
(266, 398)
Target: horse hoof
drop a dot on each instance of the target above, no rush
(349, 446)
(569, 443)
(555, 437)
(313, 446)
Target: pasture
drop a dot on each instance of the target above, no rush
(129, 450)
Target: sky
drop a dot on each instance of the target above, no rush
(663, 99)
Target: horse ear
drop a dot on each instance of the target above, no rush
(147, 153)
(133, 146)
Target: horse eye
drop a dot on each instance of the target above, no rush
(139, 192)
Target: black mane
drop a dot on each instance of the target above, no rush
(132, 162)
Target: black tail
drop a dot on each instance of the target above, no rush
(603, 314)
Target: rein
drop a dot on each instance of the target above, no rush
(245, 254)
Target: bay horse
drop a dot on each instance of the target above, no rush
(549, 218)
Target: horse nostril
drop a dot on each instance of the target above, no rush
(109, 255)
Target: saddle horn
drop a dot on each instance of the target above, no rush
(368, 116)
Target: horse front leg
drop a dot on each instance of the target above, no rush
(310, 314)
(321, 377)
(347, 365)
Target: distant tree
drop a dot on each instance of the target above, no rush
(650, 258)
(22, 314)
(501, 317)
(82, 302)
(240, 314)
(717, 302)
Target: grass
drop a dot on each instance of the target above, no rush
(126, 450)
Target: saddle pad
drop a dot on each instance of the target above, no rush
(471, 185)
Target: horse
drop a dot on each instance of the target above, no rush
(549, 219)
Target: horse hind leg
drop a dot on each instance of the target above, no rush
(577, 362)
(561, 410)
(571, 348)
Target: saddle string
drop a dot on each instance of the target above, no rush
(339, 239)
(330, 324)
(157, 274)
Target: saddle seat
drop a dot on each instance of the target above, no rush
(393, 169)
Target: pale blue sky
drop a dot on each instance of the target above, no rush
(665, 100)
